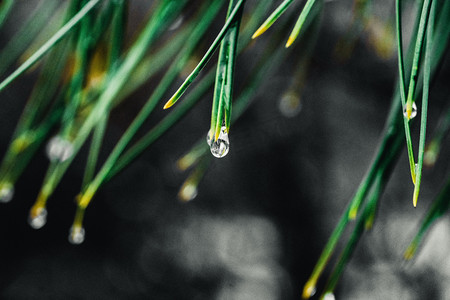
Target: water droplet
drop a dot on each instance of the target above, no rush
(59, 149)
(177, 23)
(38, 218)
(210, 137)
(188, 192)
(6, 192)
(290, 104)
(431, 155)
(220, 147)
(76, 235)
(329, 296)
(413, 111)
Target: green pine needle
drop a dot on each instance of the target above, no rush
(299, 24)
(57, 37)
(403, 95)
(425, 92)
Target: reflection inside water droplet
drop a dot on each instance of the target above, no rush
(6, 192)
(413, 111)
(220, 147)
(209, 138)
(39, 219)
(59, 149)
(76, 235)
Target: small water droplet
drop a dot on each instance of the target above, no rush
(188, 192)
(290, 104)
(76, 235)
(431, 155)
(329, 296)
(220, 147)
(6, 192)
(59, 149)
(39, 219)
(177, 23)
(413, 111)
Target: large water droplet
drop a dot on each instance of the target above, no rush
(6, 192)
(413, 111)
(59, 149)
(220, 147)
(329, 296)
(290, 104)
(39, 219)
(76, 235)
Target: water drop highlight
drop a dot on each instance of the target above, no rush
(221, 147)
(59, 149)
(413, 111)
(76, 235)
(6, 192)
(38, 218)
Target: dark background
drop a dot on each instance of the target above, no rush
(263, 213)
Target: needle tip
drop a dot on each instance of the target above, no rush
(258, 32)
(290, 41)
(168, 104)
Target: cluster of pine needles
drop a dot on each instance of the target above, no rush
(88, 66)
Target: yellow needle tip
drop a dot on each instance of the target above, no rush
(168, 104)
(410, 252)
(309, 290)
(352, 213)
(290, 41)
(258, 32)
(171, 102)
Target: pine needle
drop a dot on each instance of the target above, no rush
(272, 18)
